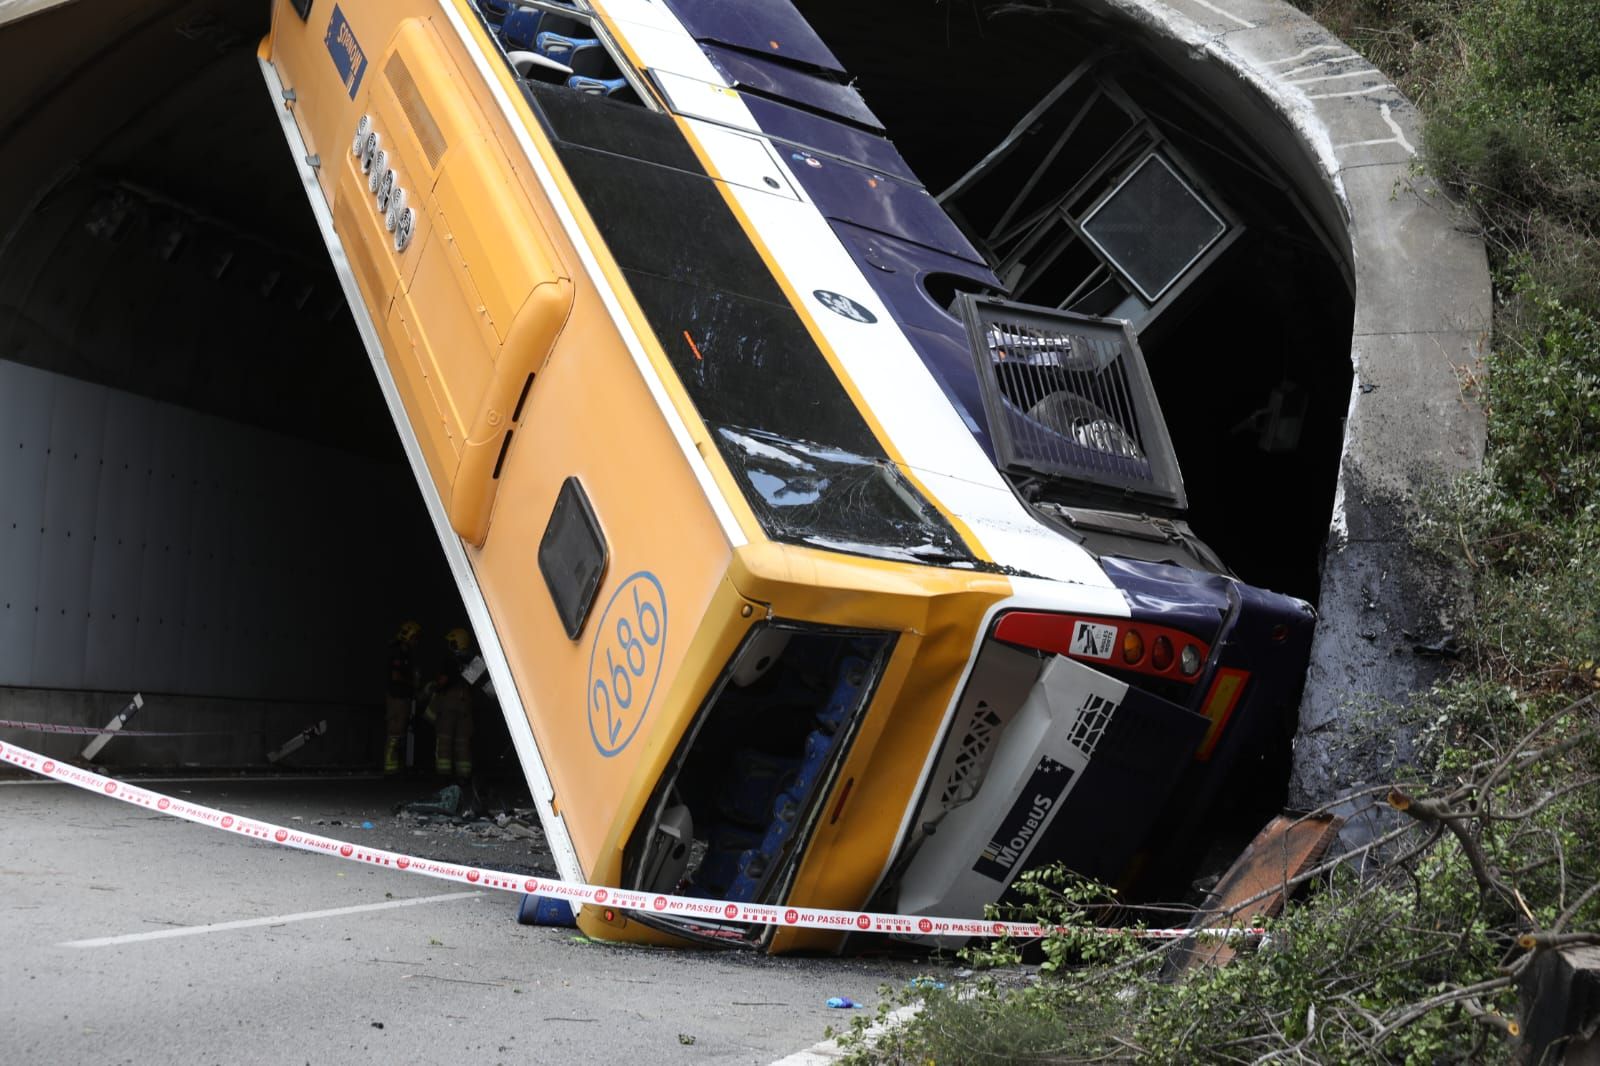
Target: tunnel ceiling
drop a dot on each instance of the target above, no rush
(155, 237)
(947, 80)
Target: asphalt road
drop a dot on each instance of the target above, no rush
(132, 937)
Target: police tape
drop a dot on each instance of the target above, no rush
(574, 892)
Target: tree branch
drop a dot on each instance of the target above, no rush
(1436, 811)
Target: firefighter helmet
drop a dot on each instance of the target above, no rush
(408, 632)
(459, 640)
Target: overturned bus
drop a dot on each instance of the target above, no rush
(809, 568)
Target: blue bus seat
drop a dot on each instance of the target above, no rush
(584, 83)
(521, 28)
(564, 49)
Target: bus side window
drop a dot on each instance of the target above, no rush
(552, 46)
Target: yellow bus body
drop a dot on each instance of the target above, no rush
(524, 372)
(490, 290)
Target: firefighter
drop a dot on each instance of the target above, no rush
(450, 707)
(401, 694)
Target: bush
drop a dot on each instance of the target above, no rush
(1520, 121)
(1544, 412)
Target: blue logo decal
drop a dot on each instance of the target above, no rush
(348, 58)
(844, 306)
(625, 661)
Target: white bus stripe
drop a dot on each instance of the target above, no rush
(899, 391)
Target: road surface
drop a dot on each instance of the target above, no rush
(132, 937)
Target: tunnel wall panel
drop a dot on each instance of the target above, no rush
(72, 475)
(25, 418)
(145, 546)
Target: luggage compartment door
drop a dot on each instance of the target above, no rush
(484, 295)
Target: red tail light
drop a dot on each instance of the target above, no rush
(1161, 654)
(1116, 642)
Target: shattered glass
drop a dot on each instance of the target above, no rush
(826, 497)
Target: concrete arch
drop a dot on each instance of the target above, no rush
(1347, 140)
(1350, 139)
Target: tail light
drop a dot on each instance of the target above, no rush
(1161, 654)
(1116, 642)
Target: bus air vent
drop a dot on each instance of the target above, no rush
(427, 131)
(1068, 399)
(972, 757)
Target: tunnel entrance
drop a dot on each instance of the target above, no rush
(1036, 128)
(206, 500)
(169, 321)
(1036, 125)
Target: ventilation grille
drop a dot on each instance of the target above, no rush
(347, 222)
(1070, 386)
(972, 758)
(423, 126)
(1068, 397)
(1093, 717)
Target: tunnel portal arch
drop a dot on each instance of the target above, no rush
(146, 209)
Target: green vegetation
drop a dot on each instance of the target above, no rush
(1495, 858)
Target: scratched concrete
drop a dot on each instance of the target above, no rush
(449, 982)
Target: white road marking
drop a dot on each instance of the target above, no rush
(251, 923)
(1388, 120)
